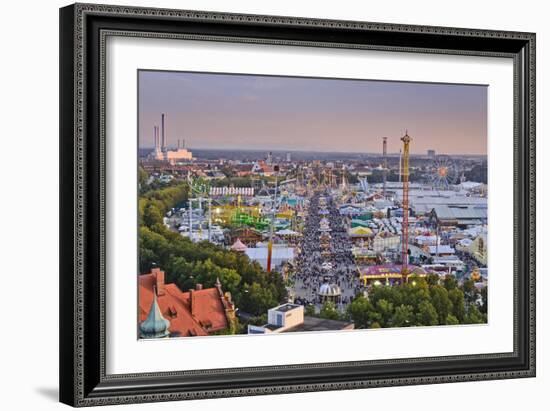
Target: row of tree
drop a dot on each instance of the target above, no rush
(154, 203)
(420, 302)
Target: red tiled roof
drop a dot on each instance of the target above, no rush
(204, 314)
(265, 167)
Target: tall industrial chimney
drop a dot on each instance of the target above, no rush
(157, 139)
(162, 132)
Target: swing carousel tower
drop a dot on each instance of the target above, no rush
(405, 236)
(385, 159)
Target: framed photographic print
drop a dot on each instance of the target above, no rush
(261, 204)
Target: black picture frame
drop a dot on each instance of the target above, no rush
(83, 29)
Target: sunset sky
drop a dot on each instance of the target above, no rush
(295, 113)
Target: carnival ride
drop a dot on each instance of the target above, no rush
(405, 230)
(241, 218)
(385, 154)
(198, 186)
(444, 173)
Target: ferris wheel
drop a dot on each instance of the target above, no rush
(444, 172)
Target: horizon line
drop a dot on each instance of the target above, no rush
(317, 151)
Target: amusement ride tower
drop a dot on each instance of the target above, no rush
(385, 154)
(405, 204)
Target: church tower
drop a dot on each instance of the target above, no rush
(155, 325)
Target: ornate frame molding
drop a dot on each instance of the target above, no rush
(83, 378)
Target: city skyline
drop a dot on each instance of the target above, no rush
(310, 114)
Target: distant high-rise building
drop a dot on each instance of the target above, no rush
(269, 159)
(431, 153)
(288, 158)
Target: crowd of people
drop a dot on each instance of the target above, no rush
(319, 262)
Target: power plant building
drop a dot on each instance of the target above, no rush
(161, 151)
